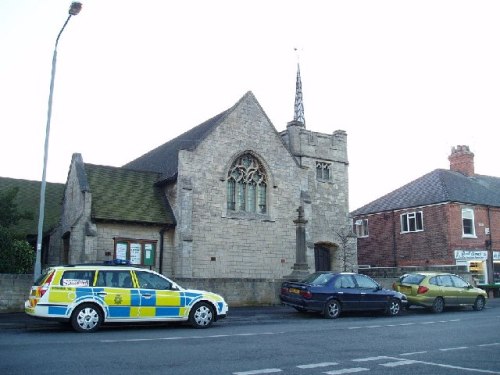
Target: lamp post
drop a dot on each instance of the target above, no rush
(73, 11)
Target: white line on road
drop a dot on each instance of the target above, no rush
(316, 365)
(255, 372)
(347, 371)
(414, 353)
(370, 358)
(193, 337)
(398, 363)
(492, 344)
(457, 348)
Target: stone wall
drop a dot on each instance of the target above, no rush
(14, 290)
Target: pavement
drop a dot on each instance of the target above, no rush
(20, 320)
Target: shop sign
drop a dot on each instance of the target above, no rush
(471, 254)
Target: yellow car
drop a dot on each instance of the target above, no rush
(89, 295)
(437, 290)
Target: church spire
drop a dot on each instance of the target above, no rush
(299, 103)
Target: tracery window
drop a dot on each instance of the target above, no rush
(247, 185)
(323, 171)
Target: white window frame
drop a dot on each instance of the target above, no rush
(468, 214)
(408, 218)
(361, 228)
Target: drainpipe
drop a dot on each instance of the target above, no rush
(394, 247)
(489, 248)
(162, 232)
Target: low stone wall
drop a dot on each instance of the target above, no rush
(239, 292)
(14, 290)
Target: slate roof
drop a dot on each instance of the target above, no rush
(28, 200)
(438, 186)
(135, 198)
(164, 158)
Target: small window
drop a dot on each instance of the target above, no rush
(323, 171)
(412, 222)
(361, 228)
(468, 229)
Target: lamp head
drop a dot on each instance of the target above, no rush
(75, 8)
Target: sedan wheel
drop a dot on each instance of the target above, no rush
(332, 309)
(394, 307)
(201, 315)
(438, 305)
(479, 304)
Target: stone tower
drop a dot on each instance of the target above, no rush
(325, 195)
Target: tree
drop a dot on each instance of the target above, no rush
(9, 214)
(16, 255)
(345, 235)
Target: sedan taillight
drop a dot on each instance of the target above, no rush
(42, 289)
(422, 289)
(306, 294)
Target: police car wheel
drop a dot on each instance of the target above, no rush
(86, 318)
(201, 315)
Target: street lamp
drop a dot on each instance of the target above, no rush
(73, 11)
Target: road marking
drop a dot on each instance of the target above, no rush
(263, 371)
(458, 367)
(193, 337)
(316, 365)
(492, 344)
(398, 363)
(414, 353)
(370, 358)
(347, 371)
(457, 348)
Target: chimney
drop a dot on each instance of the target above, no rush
(462, 160)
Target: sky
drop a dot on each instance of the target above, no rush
(407, 80)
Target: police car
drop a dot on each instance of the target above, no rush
(89, 295)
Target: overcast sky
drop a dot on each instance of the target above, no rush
(407, 80)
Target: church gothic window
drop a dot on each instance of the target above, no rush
(323, 171)
(247, 185)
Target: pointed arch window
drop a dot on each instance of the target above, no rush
(247, 185)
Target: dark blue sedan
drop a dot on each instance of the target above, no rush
(331, 293)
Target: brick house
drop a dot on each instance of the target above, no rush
(446, 217)
(218, 201)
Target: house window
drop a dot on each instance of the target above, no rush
(412, 222)
(323, 171)
(468, 222)
(137, 252)
(247, 186)
(361, 228)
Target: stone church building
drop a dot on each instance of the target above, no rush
(220, 201)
